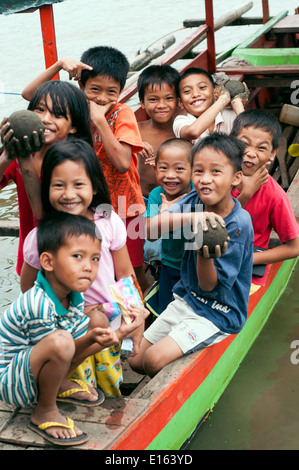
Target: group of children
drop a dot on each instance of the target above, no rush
(101, 184)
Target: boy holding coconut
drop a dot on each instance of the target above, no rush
(211, 298)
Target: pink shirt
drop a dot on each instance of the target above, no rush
(114, 237)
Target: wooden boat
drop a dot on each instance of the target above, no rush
(163, 412)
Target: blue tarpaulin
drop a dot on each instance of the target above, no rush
(7, 7)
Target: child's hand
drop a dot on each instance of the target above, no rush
(221, 93)
(105, 337)
(74, 68)
(98, 112)
(200, 219)
(251, 184)
(138, 315)
(13, 147)
(165, 203)
(199, 222)
(218, 251)
(8, 140)
(242, 96)
(148, 154)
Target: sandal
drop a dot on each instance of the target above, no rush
(73, 441)
(65, 396)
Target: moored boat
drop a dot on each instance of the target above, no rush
(162, 413)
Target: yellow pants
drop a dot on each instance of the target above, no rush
(102, 370)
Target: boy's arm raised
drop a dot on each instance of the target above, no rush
(206, 119)
(73, 67)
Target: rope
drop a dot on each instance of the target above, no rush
(7, 93)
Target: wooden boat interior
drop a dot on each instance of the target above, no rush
(129, 422)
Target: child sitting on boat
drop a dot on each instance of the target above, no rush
(64, 112)
(211, 298)
(267, 203)
(202, 112)
(173, 170)
(158, 93)
(102, 74)
(36, 361)
(72, 181)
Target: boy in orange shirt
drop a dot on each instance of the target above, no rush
(116, 142)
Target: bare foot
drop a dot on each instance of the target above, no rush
(41, 415)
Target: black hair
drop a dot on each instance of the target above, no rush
(232, 147)
(54, 229)
(106, 61)
(66, 99)
(75, 150)
(197, 71)
(259, 119)
(157, 75)
(184, 144)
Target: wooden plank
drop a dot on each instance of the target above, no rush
(168, 58)
(103, 424)
(242, 21)
(9, 228)
(289, 24)
(263, 30)
(262, 70)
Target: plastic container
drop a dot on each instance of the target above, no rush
(289, 115)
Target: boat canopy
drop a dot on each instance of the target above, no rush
(7, 7)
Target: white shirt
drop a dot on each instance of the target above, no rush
(223, 123)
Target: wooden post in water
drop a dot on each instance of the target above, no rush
(210, 36)
(48, 33)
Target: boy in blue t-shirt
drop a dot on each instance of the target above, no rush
(211, 298)
(173, 174)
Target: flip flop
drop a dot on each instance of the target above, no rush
(73, 441)
(65, 396)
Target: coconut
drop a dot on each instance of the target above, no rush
(211, 238)
(234, 87)
(24, 123)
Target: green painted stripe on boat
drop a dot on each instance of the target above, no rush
(185, 421)
(263, 30)
(279, 56)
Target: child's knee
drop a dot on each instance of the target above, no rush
(98, 319)
(62, 345)
(152, 361)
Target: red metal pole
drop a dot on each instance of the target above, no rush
(48, 34)
(210, 36)
(265, 11)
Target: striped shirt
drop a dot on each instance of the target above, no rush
(33, 316)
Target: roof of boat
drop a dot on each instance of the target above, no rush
(8, 7)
